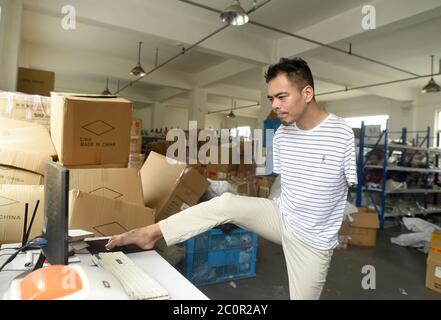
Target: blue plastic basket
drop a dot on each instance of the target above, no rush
(214, 257)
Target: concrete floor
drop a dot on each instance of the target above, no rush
(400, 274)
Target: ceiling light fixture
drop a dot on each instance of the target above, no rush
(106, 91)
(231, 114)
(138, 70)
(432, 86)
(234, 14)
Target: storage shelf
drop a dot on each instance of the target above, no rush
(398, 191)
(405, 169)
(384, 168)
(411, 213)
(402, 147)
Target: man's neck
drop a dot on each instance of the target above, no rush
(313, 116)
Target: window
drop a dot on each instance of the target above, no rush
(355, 122)
(241, 132)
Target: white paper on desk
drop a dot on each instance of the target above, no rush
(78, 245)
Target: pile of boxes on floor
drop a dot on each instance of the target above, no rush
(90, 135)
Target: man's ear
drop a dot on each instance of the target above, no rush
(308, 93)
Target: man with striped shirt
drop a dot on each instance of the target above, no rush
(314, 154)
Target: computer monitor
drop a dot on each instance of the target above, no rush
(56, 204)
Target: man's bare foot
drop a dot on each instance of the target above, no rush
(145, 237)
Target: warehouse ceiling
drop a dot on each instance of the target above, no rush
(230, 63)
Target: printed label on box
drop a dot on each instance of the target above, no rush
(438, 271)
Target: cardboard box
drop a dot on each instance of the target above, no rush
(122, 184)
(169, 188)
(12, 207)
(135, 144)
(20, 106)
(433, 271)
(136, 160)
(11, 175)
(363, 230)
(24, 159)
(98, 166)
(25, 145)
(221, 171)
(90, 129)
(436, 236)
(136, 127)
(25, 135)
(35, 81)
(244, 187)
(104, 216)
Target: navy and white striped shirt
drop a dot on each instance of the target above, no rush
(316, 168)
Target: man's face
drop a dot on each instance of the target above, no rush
(287, 101)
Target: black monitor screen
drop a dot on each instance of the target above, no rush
(56, 201)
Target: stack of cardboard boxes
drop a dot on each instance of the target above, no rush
(91, 136)
(24, 148)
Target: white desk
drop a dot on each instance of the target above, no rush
(175, 283)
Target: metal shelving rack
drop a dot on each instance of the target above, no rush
(423, 146)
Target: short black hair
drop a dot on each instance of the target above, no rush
(296, 69)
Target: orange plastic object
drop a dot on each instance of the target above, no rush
(52, 282)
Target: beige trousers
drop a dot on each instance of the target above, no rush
(307, 267)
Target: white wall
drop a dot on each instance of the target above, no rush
(143, 111)
(401, 114)
(426, 111)
(174, 117)
(219, 121)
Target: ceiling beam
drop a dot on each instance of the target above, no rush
(86, 63)
(348, 24)
(221, 71)
(130, 15)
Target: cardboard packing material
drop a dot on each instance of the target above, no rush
(91, 129)
(11, 175)
(244, 186)
(136, 127)
(221, 171)
(136, 160)
(12, 207)
(25, 145)
(104, 216)
(35, 81)
(135, 144)
(363, 230)
(20, 106)
(433, 270)
(169, 188)
(116, 183)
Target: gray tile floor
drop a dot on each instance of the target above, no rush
(400, 274)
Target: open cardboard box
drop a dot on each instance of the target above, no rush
(170, 186)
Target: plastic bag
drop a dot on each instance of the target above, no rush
(419, 238)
